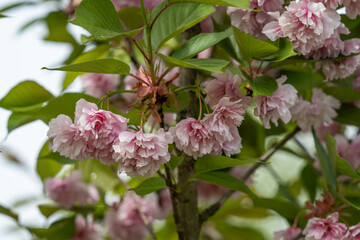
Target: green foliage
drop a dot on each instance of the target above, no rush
(18, 119)
(348, 114)
(200, 43)
(57, 22)
(47, 167)
(175, 161)
(224, 179)
(230, 231)
(309, 179)
(24, 96)
(106, 65)
(176, 19)
(232, 3)
(206, 64)
(60, 230)
(209, 163)
(149, 185)
(131, 17)
(264, 85)
(343, 94)
(9, 213)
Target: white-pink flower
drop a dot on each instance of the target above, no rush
(325, 229)
(333, 129)
(352, 8)
(307, 24)
(125, 223)
(71, 190)
(192, 137)
(99, 129)
(333, 4)
(86, 229)
(141, 153)
(225, 85)
(321, 110)
(277, 105)
(288, 234)
(64, 138)
(97, 85)
(350, 151)
(223, 122)
(353, 233)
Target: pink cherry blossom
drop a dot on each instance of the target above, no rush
(352, 8)
(65, 138)
(97, 85)
(350, 151)
(225, 85)
(161, 203)
(333, 4)
(338, 69)
(125, 223)
(86, 230)
(192, 137)
(325, 229)
(249, 21)
(333, 128)
(223, 122)
(307, 24)
(266, 5)
(209, 192)
(277, 105)
(353, 233)
(71, 190)
(141, 153)
(99, 129)
(288, 234)
(321, 110)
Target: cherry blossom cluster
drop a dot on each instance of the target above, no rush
(97, 85)
(86, 229)
(105, 136)
(322, 228)
(71, 190)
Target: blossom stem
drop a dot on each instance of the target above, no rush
(118, 92)
(185, 88)
(157, 15)
(200, 103)
(210, 211)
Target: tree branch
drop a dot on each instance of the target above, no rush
(210, 211)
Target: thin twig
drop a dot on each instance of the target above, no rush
(137, 205)
(161, 11)
(210, 211)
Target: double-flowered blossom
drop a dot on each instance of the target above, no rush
(321, 229)
(253, 22)
(288, 234)
(350, 151)
(97, 85)
(307, 24)
(192, 137)
(125, 222)
(92, 134)
(223, 123)
(141, 153)
(225, 85)
(99, 129)
(352, 8)
(321, 110)
(86, 229)
(353, 233)
(71, 190)
(277, 105)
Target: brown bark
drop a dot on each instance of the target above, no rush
(185, 200)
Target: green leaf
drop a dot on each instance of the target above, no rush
(264, 85)
(3, 16)
(57, 23)
(47, 167)
(48, 210)
(348, 114)
(18, 119)
(150, 185)
(134, 116)
(325, 163)
(207, 64)
(97, 53)
(131, 17)
(176, 19)
(24, 95)
(239, 233)
(285, 208)
(199, 43)
(62, 229)
(100, 174)
(180, 101)
(285, 51)
(232, 3)
(343, 94)
(331, 149)
(251, 47)
(209, 163)
(224, 179)
(175, 161)
(8, 212)
(106, 65)
(309, 179)
(99, 18)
